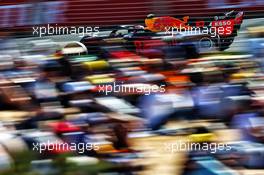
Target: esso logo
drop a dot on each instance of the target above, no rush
(222, 23)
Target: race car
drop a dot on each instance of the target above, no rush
(206, 35)
(221, 30)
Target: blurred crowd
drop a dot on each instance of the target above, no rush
(51, 94)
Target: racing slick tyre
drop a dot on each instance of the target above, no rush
(205, 44)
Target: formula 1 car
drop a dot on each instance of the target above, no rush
(222, 29)
(217, 33)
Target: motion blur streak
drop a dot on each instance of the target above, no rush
(132, 99)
